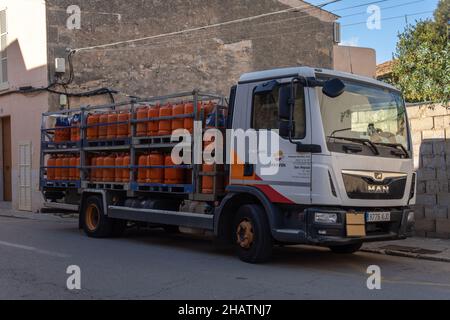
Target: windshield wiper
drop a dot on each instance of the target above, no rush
(396, 146)
(366, 142)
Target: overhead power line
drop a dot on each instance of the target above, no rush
(264, 15)
(389, 18)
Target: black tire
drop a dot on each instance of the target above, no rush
(251, 234)
(346, 249)
(96, 224)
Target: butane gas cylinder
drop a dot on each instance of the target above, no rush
(118, 170)
(172, 175)
(78, 170)
(178, 110)
(108, 173)
(111, 131)
(99, 171)
(93, 172)
(141, 127)
(58, 170)
(208, 181)
(92, 129)
(142, 172)
(123, 128)
(153, 126)
(65, 170)
(72, 169)
(126, 171)
(156, 175)
(75, 129)
(51, 162)
(103, 128)
(165, 126)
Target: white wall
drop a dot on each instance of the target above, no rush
(27, 66)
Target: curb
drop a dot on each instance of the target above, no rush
(40, 217)
(407, 255)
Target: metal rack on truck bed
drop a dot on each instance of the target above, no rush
(83, 148)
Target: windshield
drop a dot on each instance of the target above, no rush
(366, 112)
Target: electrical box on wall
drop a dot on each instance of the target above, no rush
(60, 65)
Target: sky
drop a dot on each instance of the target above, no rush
(384, 39)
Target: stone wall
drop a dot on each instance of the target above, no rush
(430, 125)
(211, 59)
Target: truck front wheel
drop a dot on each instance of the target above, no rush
(346, 249)
(96, 224)
(253, 239)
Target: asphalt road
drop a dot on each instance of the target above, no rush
(35, 254)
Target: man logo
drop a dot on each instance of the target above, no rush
(378, 189)
(378, 176)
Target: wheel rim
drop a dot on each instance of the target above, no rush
(245, 234)
(92, 217)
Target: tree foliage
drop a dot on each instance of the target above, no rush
(422, 58)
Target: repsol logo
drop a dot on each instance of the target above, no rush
(378, 189)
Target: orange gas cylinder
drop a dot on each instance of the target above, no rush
(178, 110)
(123, 128)
(126, 171)
(75, 131)
(208, 181)
(78, 171)
(51, 162)
(103, 128)
(65, 171)
(142, 172)
(155, 175)
(153, 126)
(58, 171)
(189, 109)
(93, 170)
(73, 170)
(108, 173)
(118, 170)
(172, 175)
(165, 126)
(141, 127)
(111, 131)
(92, 129)
(99, 172)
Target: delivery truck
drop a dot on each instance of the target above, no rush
(340, 173)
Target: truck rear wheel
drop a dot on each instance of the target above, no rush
(346, 249)
(253, 239)
(96, 224)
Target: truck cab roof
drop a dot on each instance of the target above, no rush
(308, 72)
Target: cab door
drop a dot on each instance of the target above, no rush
(287, 178)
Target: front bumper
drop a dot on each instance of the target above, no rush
(306, 231)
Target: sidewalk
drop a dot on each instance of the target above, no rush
(59, 217)
(418, 248)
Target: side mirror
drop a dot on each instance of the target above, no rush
(333, 88)
(285, 96)
(284, 128)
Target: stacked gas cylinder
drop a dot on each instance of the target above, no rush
(65, 167)
(153, 167)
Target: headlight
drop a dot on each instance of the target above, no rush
(320, 217)
(411, 218)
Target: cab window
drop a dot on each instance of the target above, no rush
(266, 110)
